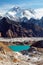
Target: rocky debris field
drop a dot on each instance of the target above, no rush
(18, 58)
(33, 56)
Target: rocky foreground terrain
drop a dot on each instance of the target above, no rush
(9, 57)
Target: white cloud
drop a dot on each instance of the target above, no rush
(5, 8)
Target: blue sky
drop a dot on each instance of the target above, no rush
(7, 4)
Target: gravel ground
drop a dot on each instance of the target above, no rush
(30, 59)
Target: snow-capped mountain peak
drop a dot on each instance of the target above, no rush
(39, 13)
(16, 13)
(28, 14)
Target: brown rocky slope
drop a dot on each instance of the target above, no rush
(9, 28)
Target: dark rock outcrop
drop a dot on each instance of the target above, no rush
(38, 44)
(9, 28)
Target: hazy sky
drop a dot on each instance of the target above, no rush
(7, 4)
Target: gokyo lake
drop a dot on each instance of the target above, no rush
(19, 48)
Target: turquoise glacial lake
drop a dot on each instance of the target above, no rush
(19, 48)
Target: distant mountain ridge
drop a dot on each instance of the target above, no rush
(18, 13)
(19, 22)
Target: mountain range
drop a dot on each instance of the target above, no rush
(19, 22)
(17, 13)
